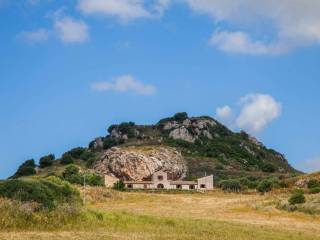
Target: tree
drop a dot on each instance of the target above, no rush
(76, 152)
(297, 197)
(231, 185)
(25, 169)
(66, 159)
(313, 183)
(268, 167)
(119, 185)
(46, 161)
(265, 186)
(94, 179)
(181, 116)
(72, 174)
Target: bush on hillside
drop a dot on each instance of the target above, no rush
(85, 156)
(25, 169)
(268, 167)
(93, 179)
(297, 197)
(314, 190)
(231, 185)
(66, 159)
(46, 161)
(313, 183)
(46, 193)
(265, 186)
(76, 152)
(181, 116)
(119, 185)
(72, 174)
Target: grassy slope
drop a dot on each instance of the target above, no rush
(183, 216)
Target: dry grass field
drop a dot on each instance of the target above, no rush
(215, 215)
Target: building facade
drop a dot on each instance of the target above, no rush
(160, 180)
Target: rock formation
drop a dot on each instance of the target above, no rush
(138, 163)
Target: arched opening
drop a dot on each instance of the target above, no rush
(160, 186)
(129, 186)
(202, 186)
(179, 186)
(191, 186)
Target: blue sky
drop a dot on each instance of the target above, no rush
(68, 70)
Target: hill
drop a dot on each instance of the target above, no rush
(189, 147)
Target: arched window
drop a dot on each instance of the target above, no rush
(160, 186)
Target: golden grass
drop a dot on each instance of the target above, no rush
(214, 216)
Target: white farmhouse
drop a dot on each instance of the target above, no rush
(160, 180)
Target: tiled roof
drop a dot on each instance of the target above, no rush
(183, 183)
(138, 182)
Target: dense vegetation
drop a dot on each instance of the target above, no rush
(48, 193)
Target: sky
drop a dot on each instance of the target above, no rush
(69, 69)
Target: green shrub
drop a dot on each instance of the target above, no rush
(268, 167)
(77, 152)
(313, 183)
(181, 116)
(46, 161)
(66, 159)
(72, 174)
(46, 193)
(85, 156)
(119, 185)
(94, 179)
(25, 169)
(314, 190)
(231, 185)
(265, 186)
(297, 197)
(109, 143)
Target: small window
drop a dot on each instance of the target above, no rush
(191, 186)
(160, 178)
(130, 186)
(179, 186)
(202, 186)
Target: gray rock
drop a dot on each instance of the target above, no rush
(182, 134)
(138, 163)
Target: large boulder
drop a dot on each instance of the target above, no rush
(139, 163)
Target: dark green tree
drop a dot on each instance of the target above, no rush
(119, 185)
(26, 169)
(66, 159)
(46, 161)
(265, 186)
(181, 116)
(297, 197)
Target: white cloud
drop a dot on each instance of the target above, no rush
(123, 84)
(257, 111)
(240, 42)
(224, 113)
(295, 23)
(254, 113)
(70, 30)
(126, 10)
(40, 35)
(161, 6)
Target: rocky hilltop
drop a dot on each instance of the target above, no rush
(185, 147)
